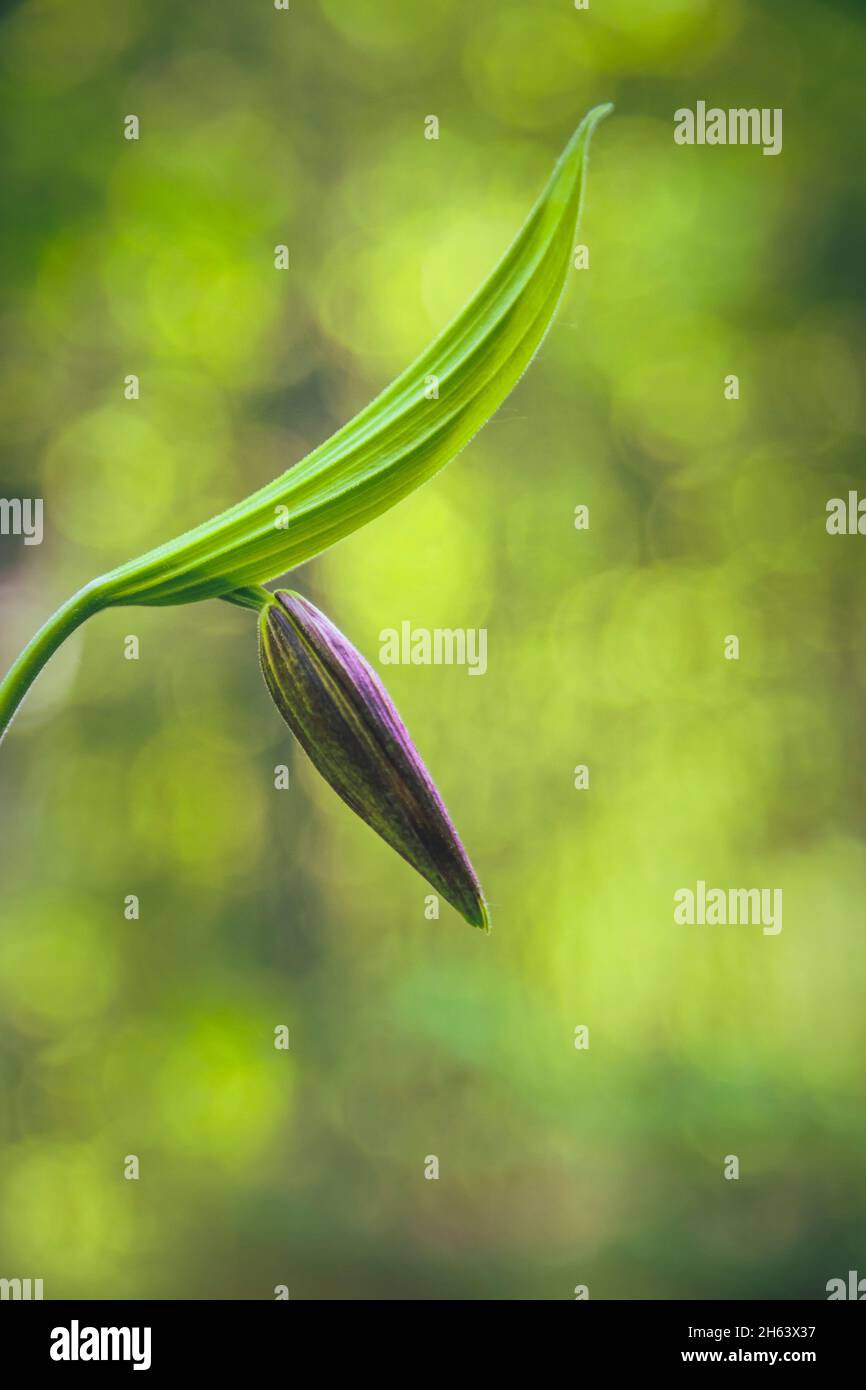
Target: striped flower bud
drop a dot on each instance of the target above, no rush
(341, 714)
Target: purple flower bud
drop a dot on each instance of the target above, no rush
(342, 715)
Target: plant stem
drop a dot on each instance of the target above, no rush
(254, 596)
(40, 648)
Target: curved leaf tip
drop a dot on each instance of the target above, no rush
(400, 439)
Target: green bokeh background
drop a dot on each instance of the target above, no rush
(261, 907)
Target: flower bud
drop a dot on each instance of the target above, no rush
(344, 719)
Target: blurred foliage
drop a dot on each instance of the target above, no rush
(261, 907)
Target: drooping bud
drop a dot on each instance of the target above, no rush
(344, 719)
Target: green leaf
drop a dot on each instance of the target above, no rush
(398, 441)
